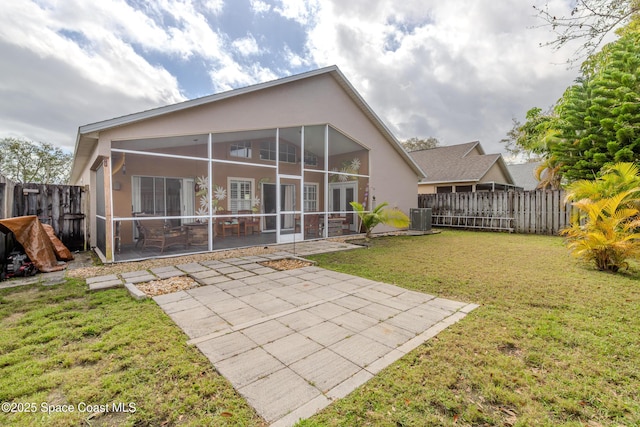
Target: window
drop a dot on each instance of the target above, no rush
(268, 152)
(240, 194)
(464, 188)
(310, 159)
(444, 189)
(287, 153)
(311, 197)
(241, 149)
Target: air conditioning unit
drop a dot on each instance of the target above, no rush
(420, 219)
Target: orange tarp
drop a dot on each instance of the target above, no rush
(40, 244)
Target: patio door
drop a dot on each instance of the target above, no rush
(163, 196)
(290, 213)
(340, 196)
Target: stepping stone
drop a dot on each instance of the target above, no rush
(97, 279)
(167, 272)
(192, 267)
(135, 292)
(138, 276)
(109, 284)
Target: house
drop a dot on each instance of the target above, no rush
(462, 168)
(524, 175)
(270, 163)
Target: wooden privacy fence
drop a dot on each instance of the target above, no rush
(61, 206)
(529, 212)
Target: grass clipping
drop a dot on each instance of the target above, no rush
(167, 286)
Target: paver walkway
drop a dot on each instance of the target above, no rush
(293, 341)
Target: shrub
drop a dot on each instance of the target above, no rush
(605, 229)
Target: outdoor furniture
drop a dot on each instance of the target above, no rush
(335, 225)
(248, 222)
(198, 233)
(158, 233)
(312, 225)
(227, 224)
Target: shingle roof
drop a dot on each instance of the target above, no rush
(523, 175)
(456, 163)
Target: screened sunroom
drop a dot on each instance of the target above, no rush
(206, 192)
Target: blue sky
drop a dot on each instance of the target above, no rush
(458, 70)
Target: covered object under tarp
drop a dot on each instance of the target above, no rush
(42, 246)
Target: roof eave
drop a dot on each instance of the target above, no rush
(332, 70)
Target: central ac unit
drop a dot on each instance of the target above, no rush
(420, 219)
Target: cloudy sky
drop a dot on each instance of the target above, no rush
(457, 70)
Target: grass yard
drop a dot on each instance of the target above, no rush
(62, 345)
(554, 343)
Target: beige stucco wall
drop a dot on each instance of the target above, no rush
(316, 100)
(495, 174)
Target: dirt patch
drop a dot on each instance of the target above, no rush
(287, 264)
(13, 318)
(167, 286)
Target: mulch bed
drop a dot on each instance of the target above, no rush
(167, 286)
(287, 264)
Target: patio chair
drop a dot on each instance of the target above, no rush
(223, 225)
(312, 225)
(158, 233)
(248, 222)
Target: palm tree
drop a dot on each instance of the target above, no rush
(605, 229)
(393, 217)
(548, 174)
(609, 235)
(614, 179)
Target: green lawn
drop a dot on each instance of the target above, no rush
(554, 343)
(62, 345)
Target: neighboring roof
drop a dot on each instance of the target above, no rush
(87, 137)
(524, 175)
(458, 163)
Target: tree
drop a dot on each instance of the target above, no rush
(533, 138)
(415, 144)
(381, 214)
(589, 23)
(599, 117)
(26, 161)
(605, 231)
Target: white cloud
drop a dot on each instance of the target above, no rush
(259, 7)
(293, 59)
(300, 11)
(233, 75)
(214, 6)
(458, 71)
(246, 46)
(106, 60)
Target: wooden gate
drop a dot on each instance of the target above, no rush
(61, 206)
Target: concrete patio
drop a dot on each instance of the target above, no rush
(293, 341)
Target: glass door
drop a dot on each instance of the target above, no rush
(290, 195)
(341, 196)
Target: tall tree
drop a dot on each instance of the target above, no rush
(589, 22)
(415, 144)
(599, 117)
(25, 161)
